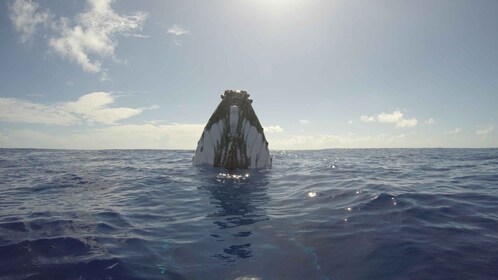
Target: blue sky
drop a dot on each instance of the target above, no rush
(322, 74)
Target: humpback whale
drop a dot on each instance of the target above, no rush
(233, 137)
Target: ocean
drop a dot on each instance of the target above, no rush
(327, 214)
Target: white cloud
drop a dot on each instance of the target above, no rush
(304, 122)
(273, 128)
(395, 117)
(454, 131)
(137, 35)
(430, 121)
(484, 132)
(23, 111)
(367, 118)
(177, 30)
(337, 141)
(85, 39)
(93, 34)
(26, 16)
(90, 108)
(350, 122)
(93, 108)
(131, 136)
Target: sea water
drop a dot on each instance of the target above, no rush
(329, 214)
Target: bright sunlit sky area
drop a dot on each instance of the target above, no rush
(102, 74)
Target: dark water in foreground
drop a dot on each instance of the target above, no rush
(332, 214)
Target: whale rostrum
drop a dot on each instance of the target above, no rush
(233, 137)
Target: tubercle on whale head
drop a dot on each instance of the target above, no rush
(235, 97)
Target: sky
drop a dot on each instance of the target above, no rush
(102, 74)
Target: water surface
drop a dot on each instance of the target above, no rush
(330, 214)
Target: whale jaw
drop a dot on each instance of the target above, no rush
(233, 137)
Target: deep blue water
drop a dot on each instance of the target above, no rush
(331, 214)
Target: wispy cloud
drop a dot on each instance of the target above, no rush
(397, 118)
(90, 108)
(23, 111)
(177, 30)
(430, 121)
(137, 35)
(172, 136)
(26, 16)
(93, 108)
(93, 34)
(485, 131)
(129, 136)
(453, 131)
(85, 39)
(367, 118)
(273, 128)
(337, 141)
(304, 122)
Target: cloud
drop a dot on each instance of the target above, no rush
(133, 136)
(93, 33)
(430, 121)
(484, 132)
(178, 30)
(273, 128)
(350, 122)
(130, 136)
(395, 117)
(337, 141)
(26, 16)
(93, 108)
(23, 111)
(137, 35)
(90, 108)
(454, 131)
(304, 122)
(86, 39)
(367, 118)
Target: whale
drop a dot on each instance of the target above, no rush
(233, 138)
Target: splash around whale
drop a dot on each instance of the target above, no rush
(233, 137)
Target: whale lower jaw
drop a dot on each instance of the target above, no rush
(233, 138)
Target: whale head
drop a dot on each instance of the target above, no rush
(233, 137)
